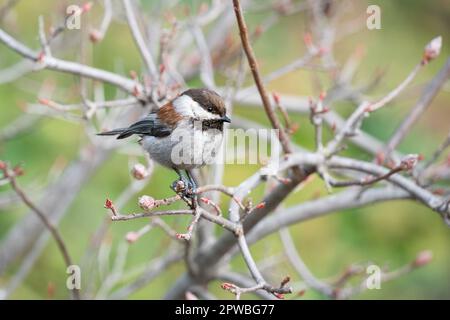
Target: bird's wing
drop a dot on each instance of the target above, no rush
(149, 126)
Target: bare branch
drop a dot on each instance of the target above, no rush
(98, 34)
(139, 39)
(11, 176)
(52, 63)
(257, 78)
(428, 94)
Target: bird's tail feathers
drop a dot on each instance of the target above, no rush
(121, 132)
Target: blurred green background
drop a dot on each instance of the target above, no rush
(387, 234)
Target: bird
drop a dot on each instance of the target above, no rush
(183, 134)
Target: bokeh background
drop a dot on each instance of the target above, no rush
(387, 234)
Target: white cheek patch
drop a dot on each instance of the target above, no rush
(186, 106)
(182, 105)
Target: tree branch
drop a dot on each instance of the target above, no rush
(52, 63)
(11, 177)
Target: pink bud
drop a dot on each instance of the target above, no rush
(423, 258)
(44, 101)
(51, 288)
(439, 191)
(2, 165)
(108, 204)
(162, 68)
(307, 39)
(279, 295)
(368, 108)
(18, 171)
(183, 236)
(146, 202)
(432, 49)
(139, 171)
(86, 7)
(322, 95)
(323, 50)
(95, 36)
(276, 98)
(409, 161)
(283, 180)
(380, 157)
(41, 56)
(259, 30)
(227, 286)
(260, 205)
(132, 237)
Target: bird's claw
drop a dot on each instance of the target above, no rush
(185, 188)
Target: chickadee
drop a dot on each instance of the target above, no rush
(184, 133)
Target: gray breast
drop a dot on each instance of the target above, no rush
(184, 148)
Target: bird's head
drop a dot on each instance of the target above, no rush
(201, 104)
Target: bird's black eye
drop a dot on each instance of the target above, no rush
(210, 109)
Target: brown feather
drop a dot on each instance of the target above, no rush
(168, 115)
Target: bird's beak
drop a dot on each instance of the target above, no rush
(225, 119)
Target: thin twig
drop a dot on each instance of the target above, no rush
(42, 216)
(131, 216)
(354, 121)
(139, 39)
(257, 78)
(52, 63)
(428, 94)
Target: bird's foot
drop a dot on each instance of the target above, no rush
(185, 188)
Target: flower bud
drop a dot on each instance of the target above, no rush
(132, 237)
(95, 36)
(108, 204)
(86, 7)
(146, 203)
(409, 161)
(162, 68)
(260, 205)
(432, 49)
(276, 97)
(279, 295)
(227, 285)
(18, 171)
(322, 95)
(139, 171)
(307, 39)
(423, 258)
